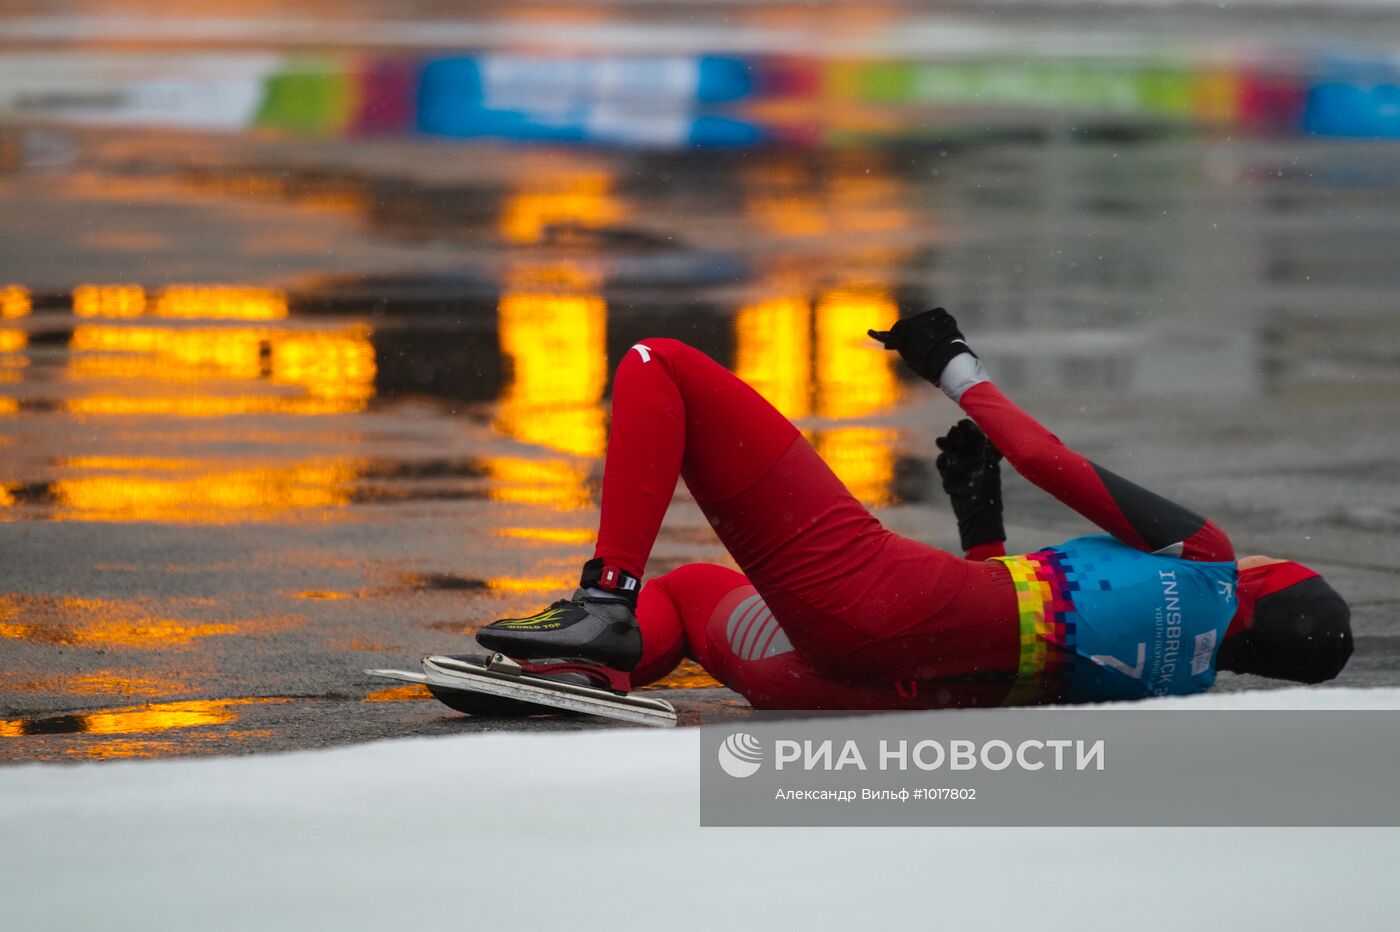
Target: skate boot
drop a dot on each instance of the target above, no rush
(598, 625)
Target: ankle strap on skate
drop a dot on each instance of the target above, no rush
(600, 575)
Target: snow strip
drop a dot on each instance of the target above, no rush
(594, 830)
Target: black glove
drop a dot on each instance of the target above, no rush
(972, 479)
(927, 341)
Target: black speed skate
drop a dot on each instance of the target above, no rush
(597, 629)
(575, 656)
(498, 687)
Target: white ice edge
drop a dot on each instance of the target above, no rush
(600, 828)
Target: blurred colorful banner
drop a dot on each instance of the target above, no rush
(683, 101)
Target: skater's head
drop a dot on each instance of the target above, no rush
(1290, 624)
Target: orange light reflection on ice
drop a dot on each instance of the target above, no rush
(12, 340)
(327, 193)
(103, 623)
(335, 367)
(153, 718)
(552, 535)
(855, 374)
(127, 748)
(221, 302)
(554, 483)
(579, 200)
(862, 458)
(688, 675)
(156, 463)
(852, 197)
(123, 749)
(409, 692)
(161, 717)
(196, 406)
(856, 377)
(866, 198)
(15, 301)
(187, 302)
(555, 340)
(840, 374)
(136, 633)
(774, 352)
(227, 496)
(529, 583)
(109, 301)
(184, 355)
(783, 199)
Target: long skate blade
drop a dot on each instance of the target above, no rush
(402, 676)
(456, 674)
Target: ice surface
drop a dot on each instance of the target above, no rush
(599, 830)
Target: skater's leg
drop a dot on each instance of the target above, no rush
(729, 631)
(699, 610)
(1139, 518)
(697, 593)
(663, 637)
(675, 408)
(820, 558)
(857, 599)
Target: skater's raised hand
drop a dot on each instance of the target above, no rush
(970, 468)
(927, 341)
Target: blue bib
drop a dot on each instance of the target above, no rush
(1101, 620)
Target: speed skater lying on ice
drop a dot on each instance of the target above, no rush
(833, 611)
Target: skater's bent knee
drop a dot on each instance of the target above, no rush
(665, 351)
(659, 347)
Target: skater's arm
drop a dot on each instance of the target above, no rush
(1134, 515)
(969, 466)
(933, 347)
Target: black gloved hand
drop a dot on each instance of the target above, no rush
(927, 341)
(972, 478)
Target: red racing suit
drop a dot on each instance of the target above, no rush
(832, 610)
